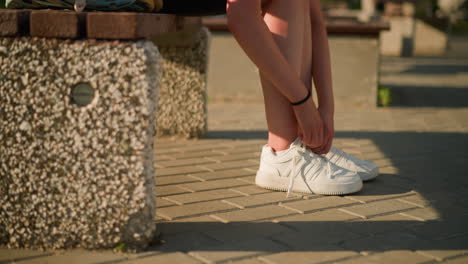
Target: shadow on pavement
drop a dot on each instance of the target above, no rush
(237, 135)
(357, 235)
(432, 164)
(424, 96)
(436, 69)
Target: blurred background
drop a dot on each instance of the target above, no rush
(384, 53)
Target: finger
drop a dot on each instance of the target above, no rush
(319, 149)
(300, 134)
(325, 147)
(310, 142)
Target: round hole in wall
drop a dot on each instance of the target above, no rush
(82, 94)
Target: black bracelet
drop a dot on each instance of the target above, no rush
(303, 100)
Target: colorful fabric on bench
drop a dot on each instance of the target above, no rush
(99, 5)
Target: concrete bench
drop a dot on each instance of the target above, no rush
(354, 56)
(82, 96)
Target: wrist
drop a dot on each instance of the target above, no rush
(326, 112)
(302, 101)
(326, 107)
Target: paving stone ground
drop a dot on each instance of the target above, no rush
(210, 211)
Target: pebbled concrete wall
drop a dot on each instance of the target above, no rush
(183, 99)
(70, 175)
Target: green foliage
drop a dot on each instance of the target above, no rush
(354, 4)
(460, 28)
(121, 247)
(2, 3)
(384, 96)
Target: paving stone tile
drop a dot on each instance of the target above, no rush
(319, 216)
(195, 209)
(383, 162)
(389, 170)
(408, 184)
(216, 175)
(417, 199)
(248, 143)
(11, 255)
(203, 196)
(185, 162)
(377, 208)
(231, 165)
(237, 232)
(177, 142)
(235, 157)
(375, 190)
(385, 242)
(165, 151)
(253, 214)
(77, 256)
(190, 155)
(169, 190)
(437, 230)
(381, 224)
(248, 261)
(261, 199)
(174, 257)
(352, 150)
(458, 260)
(184, 242)
(372, 156)
(206, 146)
(424, 214)
(390, 257)
(308, 235)
(237, 251)
(446, 248)
(241, 149)
(250, 190)
(213, 185)
(310, 205)
(192, 224)
(160, 203)
(327, 254)
(248, 179)
(158, 158)
(179, 170)
(175, 179)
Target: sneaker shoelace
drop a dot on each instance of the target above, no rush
(303, 152)
(342, 156)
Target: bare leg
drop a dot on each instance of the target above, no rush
(289, 23)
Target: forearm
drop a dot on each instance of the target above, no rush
(321, 65)
(254, 37)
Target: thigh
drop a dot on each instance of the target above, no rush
(194, 7)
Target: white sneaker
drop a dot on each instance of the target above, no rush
(367, 170)
(280, 171)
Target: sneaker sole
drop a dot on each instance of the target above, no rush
(283, 183)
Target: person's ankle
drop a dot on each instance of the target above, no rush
(276, 149)
(279, 147)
